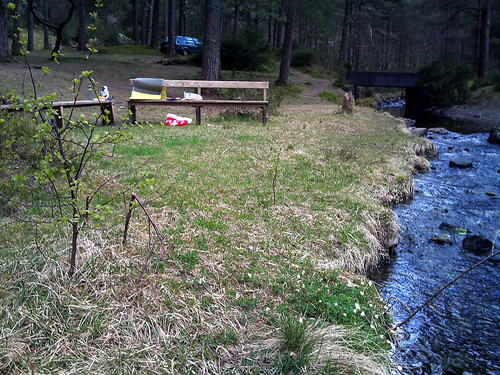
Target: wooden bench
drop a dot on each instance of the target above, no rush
(106, 105)
(198, 104)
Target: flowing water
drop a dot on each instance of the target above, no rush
(459, 331)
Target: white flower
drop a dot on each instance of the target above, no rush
(320, 301)
(357, 306)
(249, 275)
(362, 293)
(362, 313)
(301, 320)
(268, 309)
(370, 283)
(345, 314)
(336, 304)
(354, 311)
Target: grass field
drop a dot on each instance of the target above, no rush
(269, 232)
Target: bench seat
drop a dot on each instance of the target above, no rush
(198, 104)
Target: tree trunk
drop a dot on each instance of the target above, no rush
(182, 17)
(144, 21)
(345, 22)
(279, 34)
(171, 29)
(484, 40)
(16, 24)
(155, 25)
(74, 247)
(150, 21)
(286, 56)
(135, 26)
(82, 25)
(57, 28)
(236, 18)
(211, 41)
(46, 16)
(4, 31)
(31, 38)
(165, 18)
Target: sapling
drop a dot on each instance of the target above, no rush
(69, 148)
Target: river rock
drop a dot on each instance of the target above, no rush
(420, 132)
(494, 136)
(452, 228)
(442, 239)
(461, 162)
(409, 122)
(441, 131)
(477, 244)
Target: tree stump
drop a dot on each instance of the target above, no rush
(348, 103)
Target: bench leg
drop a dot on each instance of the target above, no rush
(198, 115)
(264, 116)
(132, 115)
(111, 116)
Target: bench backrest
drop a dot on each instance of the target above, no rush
(213, 85)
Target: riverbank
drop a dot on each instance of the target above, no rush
(480, 114)
(270, 232)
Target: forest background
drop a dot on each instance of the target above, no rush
(395, 35)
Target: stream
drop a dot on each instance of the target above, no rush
(459, 331)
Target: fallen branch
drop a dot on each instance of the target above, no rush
(159, 236)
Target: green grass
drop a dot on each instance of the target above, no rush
(330, 96)
(263, 227)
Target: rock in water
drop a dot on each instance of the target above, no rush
(494, 136)
(442, 239)
(461, 163)
(419, 132)
(477, 244)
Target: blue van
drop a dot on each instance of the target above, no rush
(184, 45)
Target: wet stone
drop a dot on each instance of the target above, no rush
(461, 163)
(442, 239)
(477, 244)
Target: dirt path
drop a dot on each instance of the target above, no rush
(313, 87)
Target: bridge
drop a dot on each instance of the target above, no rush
(384, 79)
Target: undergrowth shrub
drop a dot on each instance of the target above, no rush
(366, 102)
(18, 153)
(493, 79)
(247, 51)
(330, 96)
(445, 82)
(302, 58)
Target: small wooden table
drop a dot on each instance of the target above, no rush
(106, 105)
